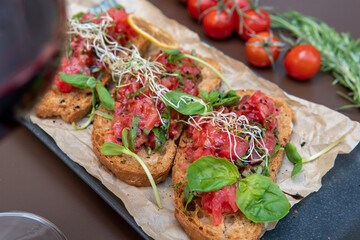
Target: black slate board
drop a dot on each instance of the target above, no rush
(331, 213)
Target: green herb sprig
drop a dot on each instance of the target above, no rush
(216, 98)
(89, 82)
(294, 157)
(257, 196)
(339, 52)
(114, 149)
(185, 104)
(175, 55)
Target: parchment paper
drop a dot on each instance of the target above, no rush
(314, 124)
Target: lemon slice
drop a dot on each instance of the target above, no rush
(152, 32)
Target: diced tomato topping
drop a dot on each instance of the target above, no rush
(133, 99)
(62, 86)
(80, 59)
(212, 141)
(258, 109)
(218, 202)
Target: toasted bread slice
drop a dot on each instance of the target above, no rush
(74, 105)
(126, 168)
(197, 223)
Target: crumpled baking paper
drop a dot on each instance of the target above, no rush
(314, 124)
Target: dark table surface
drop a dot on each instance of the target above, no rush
(34, 179)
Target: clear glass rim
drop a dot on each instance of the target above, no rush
(35, 217)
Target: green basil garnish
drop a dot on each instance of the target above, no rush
(185, 104)
(77, 80)
(216, 98)
(77, 16)
(118, 6)
(260, 199)
(92, 82)
(105, 98)
(209, 173)
(257, 196)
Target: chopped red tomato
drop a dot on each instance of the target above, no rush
(212, 141)
(218, 202)
(133, 99)
(82, 60)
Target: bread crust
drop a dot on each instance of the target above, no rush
(198, 224)
(126, 168)
(76, 104)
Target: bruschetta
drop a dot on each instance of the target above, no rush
(82, 56)
(251, 135)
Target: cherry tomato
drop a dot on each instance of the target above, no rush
(218, 25)
(303, 61)
(255, 49)
(254, 21)
(195, 9)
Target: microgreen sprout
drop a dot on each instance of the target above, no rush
(295, 157)
(236, 127)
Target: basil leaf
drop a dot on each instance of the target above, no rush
(77, 16)
(91, 82)
(124, 137)
(174, 55)
(77, 80)
(112, 149)
(105, 98)
(260, 199)
(205, 95)
(209, 173)
(118, 6)
(160, 137)
(216, 98)
(184, 103)
(133, 130)
(294, 157)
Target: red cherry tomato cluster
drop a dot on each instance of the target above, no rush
(219, 19)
